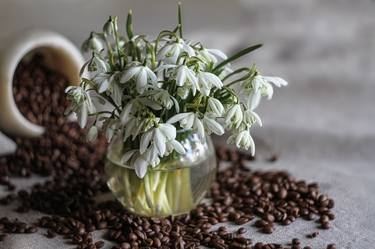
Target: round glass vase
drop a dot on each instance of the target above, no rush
(173, 187)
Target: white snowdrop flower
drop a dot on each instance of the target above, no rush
(130, 128)
(199, 127)
(98, 64)
(93, 43)
(208, 80)
(140, 166)
(277, 81)
(111, 128)
(213, 55)
(81, 104)
(188, 120)
(250, 118)
(187, 76)
(215, 106)
(145, 141)
(92, 134)
(243, 140)
(162, 134)
(175, 145)
(262, 86)
(234, 116)
(162, 96)
(127, 156)
(152, 155)
(183, 92)
(171, 50)
(212, 126)
(125, 114)
(142, 75)
(104, 81)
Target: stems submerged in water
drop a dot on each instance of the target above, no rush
(159, 193)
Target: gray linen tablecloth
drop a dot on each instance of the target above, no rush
(322, 125)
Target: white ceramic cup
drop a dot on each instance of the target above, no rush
(59, 54)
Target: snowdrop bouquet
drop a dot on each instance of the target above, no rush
(147, 90)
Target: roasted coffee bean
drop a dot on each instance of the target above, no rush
(296, 241)
(331, 246)
(241, 230)
(325, 225)
(267, 229)
(312, 235)
(99, 244)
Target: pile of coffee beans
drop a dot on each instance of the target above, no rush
(76, 175)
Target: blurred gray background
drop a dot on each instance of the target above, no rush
(322, 124)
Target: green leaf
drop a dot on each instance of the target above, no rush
(236, 56)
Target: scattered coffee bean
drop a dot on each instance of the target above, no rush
(331, 246)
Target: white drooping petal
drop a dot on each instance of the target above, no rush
(213, 79)
(239, 139)
(217, 53)
(254, 100)
(245, 141)
(159, 141)
(213, 125)
(168, 130)
(188, 122)
(199, 126)
(178, 147)
(127, 155)
(82, 116)
(140, 166)
(206, 81)
(252, 146)
(92, 134)
(188, 49)
(141, 80)
(101, 64)
(258, 82)
(178, 117)
(181, 75)
(151, 75)
(125, 114)
(130, 73)
(269, 91)
(256, 117)
(151, 155)
(129, 127)
(145, 141)
(215, 106)
(103, 85)
(190, 75)
(277, 81)
(234, 116)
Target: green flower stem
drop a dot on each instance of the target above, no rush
(159, 193)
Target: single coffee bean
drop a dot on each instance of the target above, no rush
(331, 246)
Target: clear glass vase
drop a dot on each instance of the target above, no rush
(173, 187)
